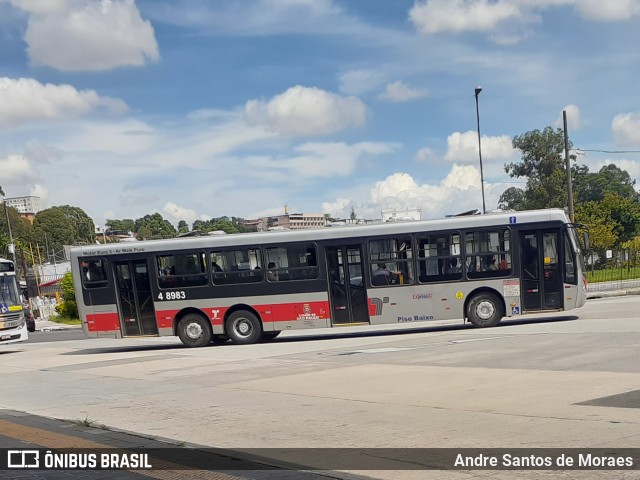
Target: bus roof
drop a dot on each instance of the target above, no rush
(275, 237)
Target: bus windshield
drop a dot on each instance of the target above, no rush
(8, 292)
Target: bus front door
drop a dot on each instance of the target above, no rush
(540, 264)
(347, 292)
(137, 314)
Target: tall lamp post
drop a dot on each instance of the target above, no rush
(484, 207)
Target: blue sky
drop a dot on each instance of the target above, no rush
(198, 108)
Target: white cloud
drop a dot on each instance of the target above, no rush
(357, 82)
(40, 6)
(39, 191)
(18, 169)
(504, 20)
(340, 205)
(609, 11)
(306, 111)
(180, 213)
(88, 35)
(459, 191)
(25, 100)
(401, 92)
(316, 159)
(424, 154)
(463, 147)
(626, 129)
(573, 118)
(433, 16)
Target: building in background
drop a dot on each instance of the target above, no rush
(27, 207)
(288, 221)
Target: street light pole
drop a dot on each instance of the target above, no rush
(484, 207)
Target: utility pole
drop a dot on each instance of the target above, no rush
(568, 162)
(12, 247)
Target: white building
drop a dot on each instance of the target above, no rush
(24, 205)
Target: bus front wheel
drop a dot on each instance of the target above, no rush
(194, 330)
(243, 327)
(485, 310)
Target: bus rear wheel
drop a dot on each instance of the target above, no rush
(243, 327)
(194, 330)
(485, 310)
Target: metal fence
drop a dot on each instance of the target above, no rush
(613, 270)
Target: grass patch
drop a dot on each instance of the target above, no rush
(87, 422)
(613, 274)
(66, 321)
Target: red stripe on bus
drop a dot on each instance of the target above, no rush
(103, 322)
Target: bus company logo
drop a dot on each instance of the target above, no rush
(23, 459)
(422, 296)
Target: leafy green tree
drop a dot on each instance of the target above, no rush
(67, 308)
(589, 186)
(126, 225)
(63, 225)
(153, 226)
(226, 224)
(183, 227)
(602, 235)
(543, 165)
(513, 198)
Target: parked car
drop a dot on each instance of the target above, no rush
(31, 321)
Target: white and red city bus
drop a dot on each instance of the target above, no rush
(249, 287)
(13, 327)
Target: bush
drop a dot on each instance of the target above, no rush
(67, 308)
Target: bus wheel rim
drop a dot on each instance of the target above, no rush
(485, 310)
(193, 331)
(243, 327)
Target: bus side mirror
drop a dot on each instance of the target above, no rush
(585, 236)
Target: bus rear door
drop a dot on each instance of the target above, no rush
(133, 287)
(347, 292)
(541, 274)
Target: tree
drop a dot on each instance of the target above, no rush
(513, 198)
(183, 227)
(609, 179)
(153, 227)
(226, 224)
(126, 225)
(542, 164)
(63, 225)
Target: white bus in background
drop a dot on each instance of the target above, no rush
(13, 326)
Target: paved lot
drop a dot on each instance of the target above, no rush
(550, 381)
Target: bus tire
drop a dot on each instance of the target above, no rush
(268, 336)
(194, 330)
(243, 327)
(485, 310)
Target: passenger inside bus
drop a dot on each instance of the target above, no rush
(272, 275)
(215, 267)
(491, 264)
(381, 275)
(453, 266)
